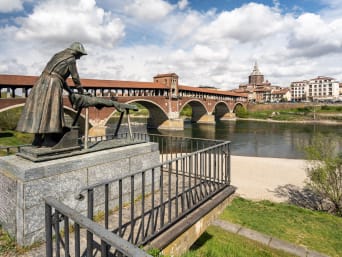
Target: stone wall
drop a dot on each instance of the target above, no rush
(24, 184)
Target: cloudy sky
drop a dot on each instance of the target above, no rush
(208, 43)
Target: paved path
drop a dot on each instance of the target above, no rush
(267, 240)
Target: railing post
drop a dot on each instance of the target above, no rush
(90, 216)
(48, 230)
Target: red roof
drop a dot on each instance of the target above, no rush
(28, 81)
(210, 91)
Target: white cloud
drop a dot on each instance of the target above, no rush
(71, 20)
(214, 48)
(182, 4)
(312, 36)
(249, 23)
(7, 6)
(148, 10)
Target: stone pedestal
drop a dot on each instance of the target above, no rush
(24, 184)
(229, 116)
(207, 119)
(174, 124)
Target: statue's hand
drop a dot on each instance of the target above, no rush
(80, 90)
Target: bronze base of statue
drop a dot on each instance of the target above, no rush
(41, 154)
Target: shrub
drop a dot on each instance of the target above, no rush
(324, 170)
(9, 119)
(241, 112)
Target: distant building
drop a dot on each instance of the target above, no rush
(299, 90)
(320, 88)
(261, 91)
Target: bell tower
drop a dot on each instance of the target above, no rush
(256, 77)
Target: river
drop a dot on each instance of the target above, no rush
(261, 139)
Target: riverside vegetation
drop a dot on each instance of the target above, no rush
(309, 113)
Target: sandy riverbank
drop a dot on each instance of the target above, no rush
(261, 178)
(326, 122)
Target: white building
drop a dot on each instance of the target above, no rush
(299, 90)
(323, 88)
(320, 88)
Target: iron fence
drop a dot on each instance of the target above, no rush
(65, 221)
(8, 150)
(141, 205)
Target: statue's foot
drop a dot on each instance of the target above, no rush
(48, 141)
(38, 140)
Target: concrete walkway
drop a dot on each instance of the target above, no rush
(267, 240)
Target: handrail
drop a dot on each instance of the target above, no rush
(165, 163)
(8, 148)
(107, 238)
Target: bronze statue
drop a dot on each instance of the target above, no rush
(43, 111)
(79, 101)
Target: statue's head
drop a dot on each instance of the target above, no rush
(78, 48)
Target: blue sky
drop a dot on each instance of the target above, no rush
(212, 43)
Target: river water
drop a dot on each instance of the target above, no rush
(261, 139)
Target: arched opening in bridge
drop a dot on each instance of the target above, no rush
(150, 115)
(9, 117)
(221, 109)
(195, 108)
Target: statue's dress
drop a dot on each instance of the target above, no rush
(43, 111)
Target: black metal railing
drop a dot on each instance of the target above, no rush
(8, 150)
(64, 225)
(141, 205)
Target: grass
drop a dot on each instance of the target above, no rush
(8, 246)
(216, 242)
(13, 138)
(296, 114)
(315, 230)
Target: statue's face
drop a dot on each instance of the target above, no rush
(78, 56)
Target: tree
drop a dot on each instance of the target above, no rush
(324, 170)
(241, 111)
(9, 119)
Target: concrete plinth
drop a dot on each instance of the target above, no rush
(174, 124)
(207, 119)
(229, 116)
(24, 184)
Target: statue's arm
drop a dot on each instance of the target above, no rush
(74, 74)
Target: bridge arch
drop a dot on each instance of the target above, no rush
(198, 109)
(157, 115)
(236, 105)
(221, 109)
(69, 115)
(12, 107)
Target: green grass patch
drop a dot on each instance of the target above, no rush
(216, 242)
(8, 246)
(13, 138)
(315, 230)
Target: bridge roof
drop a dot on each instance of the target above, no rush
(28, 81)
(211, 91)
(17, 80)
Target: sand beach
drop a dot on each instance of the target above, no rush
(274, 179)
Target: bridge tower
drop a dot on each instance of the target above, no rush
(170, 80)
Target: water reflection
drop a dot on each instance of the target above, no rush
(253, 138)
(263, 139)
